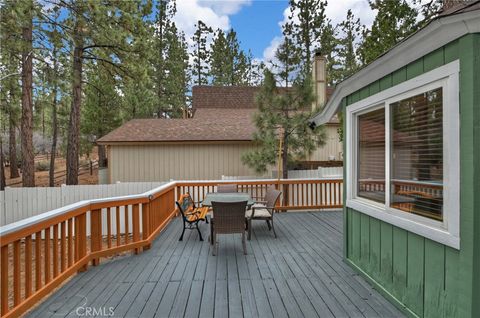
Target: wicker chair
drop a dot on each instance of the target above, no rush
(228, 218)
(263, 210)
(227, 188)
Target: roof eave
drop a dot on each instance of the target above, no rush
(435, 35)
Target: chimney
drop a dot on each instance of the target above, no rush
(319, 75)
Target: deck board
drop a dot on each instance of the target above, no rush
(301, 273)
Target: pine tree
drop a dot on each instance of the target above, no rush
(283, 115)
(177, 78)
(97, 35)
(166, 9)
(394, 21)
(200, 54)
(218, 57)
(288, 57)
(229, 64)
(307, 28)
(328, 47)
(28, 155)
(351, 33)
(12, 45)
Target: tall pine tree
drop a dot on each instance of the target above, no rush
(200, 54)
(394, 21)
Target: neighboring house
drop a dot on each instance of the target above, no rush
(412, 167)
(208, 145)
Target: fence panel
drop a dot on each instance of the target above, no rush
(19, 203)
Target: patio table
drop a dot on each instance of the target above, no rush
(227, 197)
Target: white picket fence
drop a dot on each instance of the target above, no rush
(320, 173)
(20, 203)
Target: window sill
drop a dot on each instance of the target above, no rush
(427, 228)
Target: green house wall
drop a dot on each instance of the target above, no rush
(420, 276)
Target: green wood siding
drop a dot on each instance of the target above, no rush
(425, 278)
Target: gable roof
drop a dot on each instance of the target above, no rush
(221, 114)
(208, 124)
(451, 24)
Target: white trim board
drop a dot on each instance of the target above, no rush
(448, 231)
(435, 35)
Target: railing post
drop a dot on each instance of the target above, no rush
(136, 224)
(81, 239)
(4, 275)
(96, 233)
(146, 222)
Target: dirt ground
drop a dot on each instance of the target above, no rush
(42, 177)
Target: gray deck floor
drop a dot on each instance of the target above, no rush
(299, 274)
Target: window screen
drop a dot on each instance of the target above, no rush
(371, 155)
(417, 154)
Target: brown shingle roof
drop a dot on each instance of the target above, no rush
(207, 125)
(222, 113)
(230, 96)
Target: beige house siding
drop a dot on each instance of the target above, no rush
(193, 161)
(162, 162)
(332, 147)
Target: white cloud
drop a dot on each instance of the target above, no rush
(269, 52)
(228, 7)
(213, 13)
(335, 10)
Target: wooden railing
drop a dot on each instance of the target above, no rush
(297, 194)
(41, 252)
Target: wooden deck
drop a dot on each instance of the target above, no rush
(299, 274)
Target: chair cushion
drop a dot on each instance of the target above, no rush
(259, 213)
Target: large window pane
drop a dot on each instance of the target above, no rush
(371, 155)
(417, 154)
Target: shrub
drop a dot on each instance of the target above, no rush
(43, 165)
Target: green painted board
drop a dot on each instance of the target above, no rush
(364, 239)
(399, 76)
(356, 235)
(433, 60)
(415, 266)
(434, 279)
(452, 279)
(400, 250)
(415, 68)
(374, 268)
(364, 92)
(374, 88)
(385, 82)
(451, 51)
(386, 253)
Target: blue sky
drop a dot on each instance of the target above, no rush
(257, 24)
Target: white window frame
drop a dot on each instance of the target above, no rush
(446, 232)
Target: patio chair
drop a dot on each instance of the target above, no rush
(263, 210)
(226, 188)
(228, 218)
(191, 215)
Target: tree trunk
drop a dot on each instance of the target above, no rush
(73, 143)
(285, 157)
(102, 157)
(53, 151)
(2, 171)
(285, 168)
(28, 160)
(12, 147)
